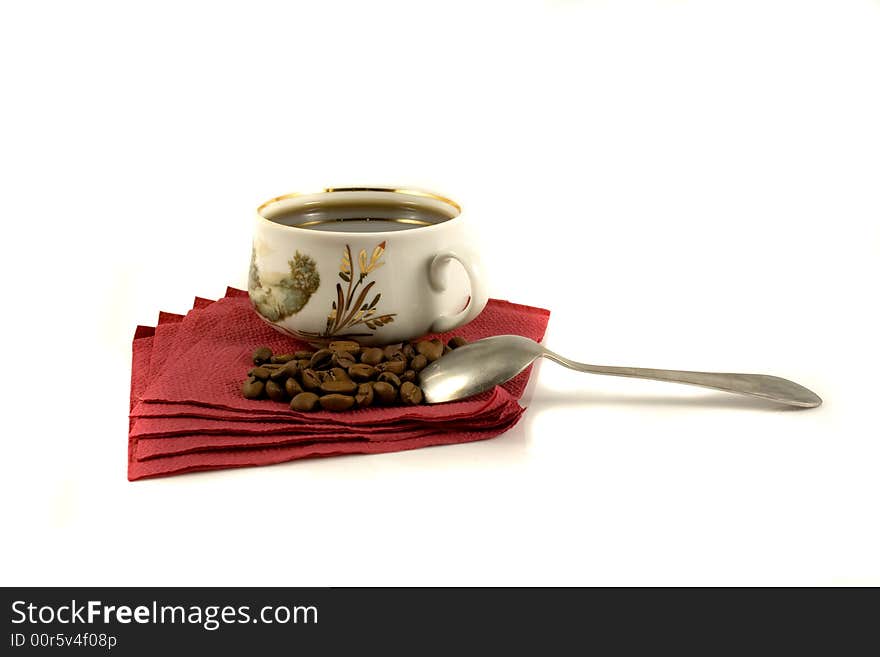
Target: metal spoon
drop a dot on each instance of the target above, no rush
(480, 365)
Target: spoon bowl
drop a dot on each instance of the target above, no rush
(477, 366)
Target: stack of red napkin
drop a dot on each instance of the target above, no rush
(188, 414)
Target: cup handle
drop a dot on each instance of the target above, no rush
(438, 280)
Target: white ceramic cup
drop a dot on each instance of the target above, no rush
(364, 263)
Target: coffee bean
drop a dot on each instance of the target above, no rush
(292, 387)
(283, 358)
(341, 387)
(446, 349)
(336, 402)
(350, 346)
(321, 359)
(252, 388)
(362, 372)
(393, 366)
(392, 350)
(419, 363)
(310, 380)
(408, 350)
(261, 373)
(430, 349)
(456, 341)
(262, 355)
(343, 359)
(410, 393)
(337, 374)
(304, 363)
(409, 375)
(372, 356)
(291, 367)
(364, 396)
(279, 374)
(389, 377)
(303, 355)
(304, 401)
(275, 392)
(384, 392)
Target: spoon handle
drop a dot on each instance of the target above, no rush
(756, 385)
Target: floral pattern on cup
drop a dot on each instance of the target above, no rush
(290, 294)
(353, 310)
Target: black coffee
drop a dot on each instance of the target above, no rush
(357, 225)
(360, 216)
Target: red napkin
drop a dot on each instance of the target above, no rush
(187, 412)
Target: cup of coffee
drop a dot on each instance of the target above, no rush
(365, 263)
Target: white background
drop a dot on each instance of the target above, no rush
(684, 184)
